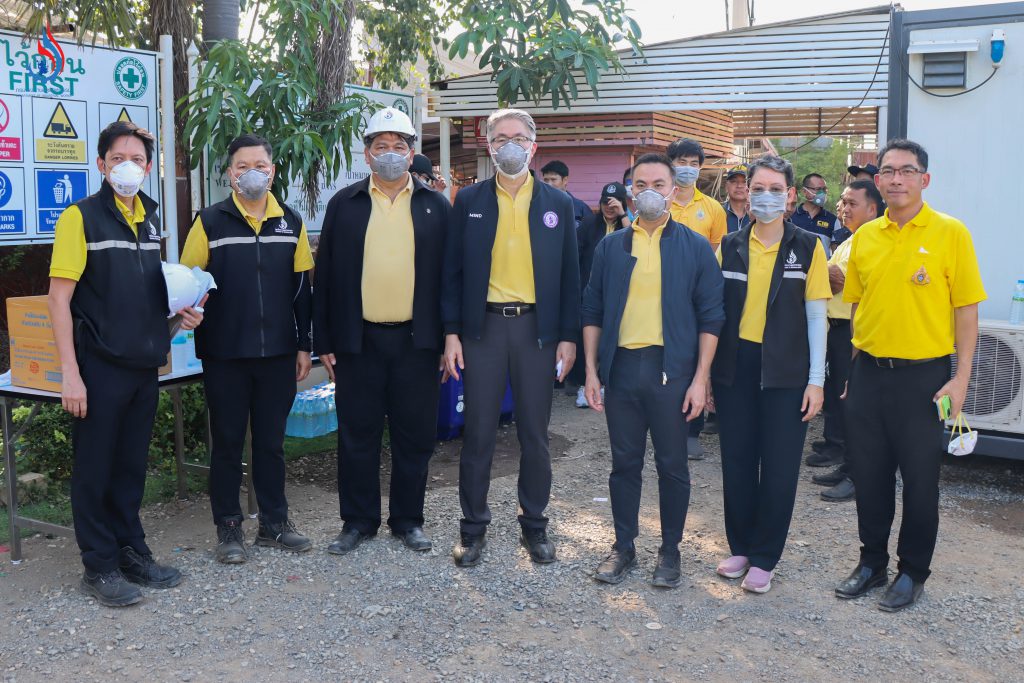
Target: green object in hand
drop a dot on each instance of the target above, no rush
(945, 407)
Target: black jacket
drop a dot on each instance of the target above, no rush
(261, 308)
(338, 278)
(119, 307)
(590, 233)
(467, 264)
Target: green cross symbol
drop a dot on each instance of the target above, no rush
(130, 78)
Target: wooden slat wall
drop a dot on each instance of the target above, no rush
(825, 62)
(714, 129)
(810, 121)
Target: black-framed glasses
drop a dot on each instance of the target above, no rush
(903, 172)
(500, 141)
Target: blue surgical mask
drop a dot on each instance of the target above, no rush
(686, 175)
(767, 206)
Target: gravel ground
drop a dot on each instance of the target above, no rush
(384, 613)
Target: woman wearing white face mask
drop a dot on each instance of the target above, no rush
(769, 371)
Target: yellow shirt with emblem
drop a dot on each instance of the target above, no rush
(641, 323)
(837, 308)
(759, 281)
(196, 251)
(703, 215)
(69, 249)
(511, 257)
(906, 283)
(389, 257)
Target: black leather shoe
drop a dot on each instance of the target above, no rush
(839, 493)
(414, 539)
(540, 547)
(826, 458)
(468, 552)
(347, 541)
(110, 588)
(860, 581)
(710, 425)
(615, 567)
(694, 450)
(283, 536)
(230, 543)
(901, 594)
(819, 445)
(145, 571)
(667, 574)
(830, 478)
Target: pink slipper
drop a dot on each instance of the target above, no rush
(733, 567)
(757, 581)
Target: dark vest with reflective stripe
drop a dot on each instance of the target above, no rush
(119, 307)
(251, 313)
(785, 354)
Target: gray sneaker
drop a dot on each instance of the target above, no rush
(110, 589)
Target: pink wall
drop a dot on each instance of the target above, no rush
(590, 168)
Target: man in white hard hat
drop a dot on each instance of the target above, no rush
(256, 344)
(377, 328)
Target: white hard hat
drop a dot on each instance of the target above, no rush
(183, 288)
(389, 120)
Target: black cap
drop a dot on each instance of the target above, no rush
(617, 190)
(869, 168)
(735, 171)
(421, 165)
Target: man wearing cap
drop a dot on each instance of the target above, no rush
(811, 214)
(611, 217)
(423, 170)
(511, 309)
(556, 174)
(256, 344)
(377, 328)
(866, 172)
(736, 215)
(108, 304)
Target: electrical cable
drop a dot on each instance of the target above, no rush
(906, 72)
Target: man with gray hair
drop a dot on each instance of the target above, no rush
(510, 305)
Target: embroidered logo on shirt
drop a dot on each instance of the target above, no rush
(921, 277)
(476, 215)
(700, 214)
(791, 262)
(282, 226)
(551, 219)
(922, 250)
(152, 230)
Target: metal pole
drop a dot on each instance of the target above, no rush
(446, 153)
(417, 105)
(12, 483)
(193, 79)
(179, 442)
(169, 205)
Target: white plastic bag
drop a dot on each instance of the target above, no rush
(962, 438)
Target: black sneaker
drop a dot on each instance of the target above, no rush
(540, 547)
(231, 543)
(615, 567)
(145, 571)
(667, 574)
(830, 478)
(283, 536)
(110, 588)
(826, 458)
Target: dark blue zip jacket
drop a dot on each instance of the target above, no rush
(691, 296)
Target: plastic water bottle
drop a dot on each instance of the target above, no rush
(332, 416)
(1017, 305)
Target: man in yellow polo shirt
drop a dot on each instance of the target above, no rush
(377, 328)
(257, 343)
(654, 355)
(914, 284)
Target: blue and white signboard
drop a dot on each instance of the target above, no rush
(12, 201)
(55, 191)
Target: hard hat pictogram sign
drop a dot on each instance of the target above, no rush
(60, 125)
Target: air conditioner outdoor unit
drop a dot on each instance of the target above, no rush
(995, 397)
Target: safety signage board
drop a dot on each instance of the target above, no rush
(55, 98)
(218, 187)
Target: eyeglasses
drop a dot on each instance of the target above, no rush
(907, 172)
(521, 140)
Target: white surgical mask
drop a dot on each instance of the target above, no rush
(767, 206)
(253, 184)
(686, 175)
(126, 178)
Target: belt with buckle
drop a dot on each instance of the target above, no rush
(838, 322)
(388, 324)
(892, 363)
(513, 310)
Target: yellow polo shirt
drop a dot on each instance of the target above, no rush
(389, 257)
(759, 281)
(907, 282)
(196, 251)
(703, 215)
(511, 256)
(641, 319)
(609, 228)
(69, 250)
(837, 308)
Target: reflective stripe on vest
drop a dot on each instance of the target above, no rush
(120, 244)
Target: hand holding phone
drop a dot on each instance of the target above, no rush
(944, 406)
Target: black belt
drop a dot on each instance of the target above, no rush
(838, 322)
(396, 324)
(897, 362)
(512, 310)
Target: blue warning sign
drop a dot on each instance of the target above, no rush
(56, 191)
(12, 213)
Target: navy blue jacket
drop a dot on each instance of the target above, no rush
(691, 296)
(467, 265)
(580, 210)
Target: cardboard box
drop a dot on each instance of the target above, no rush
(28, 317)
(34, 360)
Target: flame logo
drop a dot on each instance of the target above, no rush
(50, 51)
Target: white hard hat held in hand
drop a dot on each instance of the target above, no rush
(185, 286)
(389, 120)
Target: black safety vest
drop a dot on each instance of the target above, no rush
(785, 353)
(119, 307)
(251, 313)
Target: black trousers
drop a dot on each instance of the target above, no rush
(637, 402)
(838, 353)
(110, 447)
(762, 436)
(507, 349)
(258, 393)
(389, 378)
(893, 425)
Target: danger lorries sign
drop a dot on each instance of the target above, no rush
(57, 138)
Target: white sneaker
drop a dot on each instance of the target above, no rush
(581, 399)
